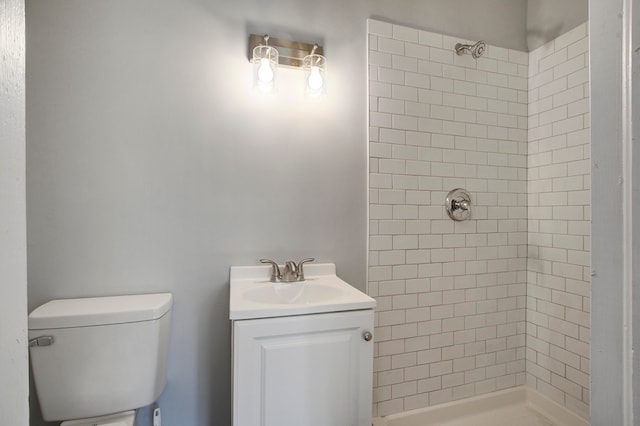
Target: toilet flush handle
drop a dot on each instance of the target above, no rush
(41, 341)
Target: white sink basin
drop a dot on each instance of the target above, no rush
(253, 296)
(302, 293)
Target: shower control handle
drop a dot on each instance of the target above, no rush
(458, 204)
(462, 205)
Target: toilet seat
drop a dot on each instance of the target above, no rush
(119, 419)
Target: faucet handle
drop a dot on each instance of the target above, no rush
(276, 276)
(301, 269)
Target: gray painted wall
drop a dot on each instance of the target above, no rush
(498, 22)
(607, 259)
(152, 166)
(611, 184)
(547, 19)
(635, 20)
(14, 372)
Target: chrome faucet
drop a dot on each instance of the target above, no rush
(292, 272)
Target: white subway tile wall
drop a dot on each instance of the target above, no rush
(450, 321)
(466, 308)
(559, 213)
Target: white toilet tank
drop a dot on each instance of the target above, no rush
(99, 355)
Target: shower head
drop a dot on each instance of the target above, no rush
(476, 50)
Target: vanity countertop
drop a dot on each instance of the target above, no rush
(252, 295)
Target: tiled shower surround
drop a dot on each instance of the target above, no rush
(456, 300)
(559, 276)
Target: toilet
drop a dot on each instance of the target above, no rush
(96, 360)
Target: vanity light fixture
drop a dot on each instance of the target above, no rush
(266, 53)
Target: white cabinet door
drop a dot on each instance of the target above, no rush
(310, 370)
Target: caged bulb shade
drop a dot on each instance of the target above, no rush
(315, 68)
(265, 67)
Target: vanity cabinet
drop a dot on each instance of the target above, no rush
(305, 370)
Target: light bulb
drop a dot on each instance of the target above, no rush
(315, 80)
(265, 73)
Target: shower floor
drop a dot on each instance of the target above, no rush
(518, 415)
(518, 406)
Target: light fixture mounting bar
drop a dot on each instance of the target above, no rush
(291, 53)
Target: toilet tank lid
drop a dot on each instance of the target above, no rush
(91, 311)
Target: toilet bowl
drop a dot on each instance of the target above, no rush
(96, 360)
